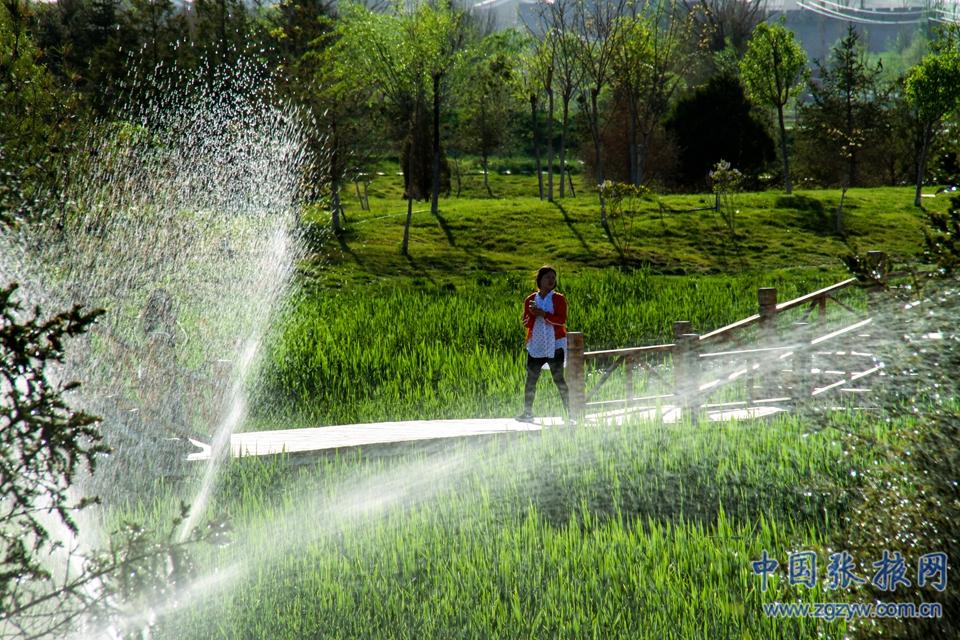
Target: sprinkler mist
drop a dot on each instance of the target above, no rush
(178, 218)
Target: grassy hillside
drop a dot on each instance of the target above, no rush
(474, 237)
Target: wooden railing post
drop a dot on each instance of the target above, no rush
(576, 383)
(628, 382)
(802, 365)
(767, 304)
(686, 372)
(877, 264)
(767, 299)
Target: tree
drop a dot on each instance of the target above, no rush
(529, 86)
(37, 118)
(846, 110)
(224, 31)
(933, 91)
(486, 97)
(772, 70)
(378, 49)
(719, 24)
(342, 128)
(569, 75)
(45, 446)
(648, 61)
(441, 33)
(598, 27)
(544, 67)
(715, 123)
(407, 57)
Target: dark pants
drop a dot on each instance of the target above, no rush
(534, 365)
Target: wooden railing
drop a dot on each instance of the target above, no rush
(687, 349)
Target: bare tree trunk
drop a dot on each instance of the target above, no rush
(435, 186)
(486, 181)
(536, 142)
(632, 143)
(456, 164)
(334, 181)
(550, 145)
(787, 185)
(335, 206)
(598, 154)
(838, 219)
(922, 165)
(563, 143)
(406, 229)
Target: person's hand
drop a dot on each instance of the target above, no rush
(537, 311)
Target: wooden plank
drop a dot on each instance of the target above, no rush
(604, 403)
(630, 351)
(739, 352)
(263, 443)
(739, 324)
(840, 332)
(802, 300)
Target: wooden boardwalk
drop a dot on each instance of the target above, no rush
(268, 443)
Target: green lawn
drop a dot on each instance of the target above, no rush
(640, 531)
(474, 237)
(644, 531)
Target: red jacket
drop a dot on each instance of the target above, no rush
(558, 318)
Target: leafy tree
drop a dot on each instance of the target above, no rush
(407, 57)
(647, 72)
(598, 26)
(545, 65)
(45, 446)
(772, 70)
(567, 73)
(37, 118)
(528, 81)
(487, 97)
(339, 125)
(846, 111)
(932, 89)
(715, 123)
(377, 49)
(342, 126)
(441, 34)
(224, 31)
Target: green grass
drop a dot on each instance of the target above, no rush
(389, 351)
(476, 236)
(640, 531)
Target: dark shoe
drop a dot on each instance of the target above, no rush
(525, 417)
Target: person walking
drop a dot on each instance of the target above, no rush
(545, 318)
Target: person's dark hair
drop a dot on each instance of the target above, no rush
(542, 271)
